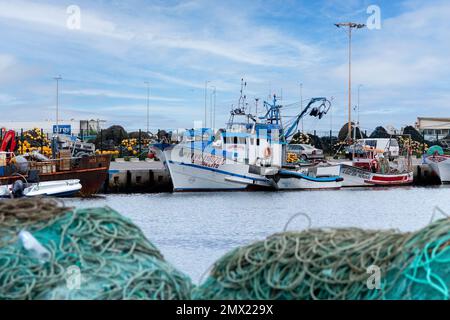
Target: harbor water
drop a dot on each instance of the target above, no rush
(193, 230)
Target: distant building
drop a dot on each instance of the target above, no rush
(433, 128)
(89, 127)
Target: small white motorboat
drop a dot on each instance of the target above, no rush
(59, 188)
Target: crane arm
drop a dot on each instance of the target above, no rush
(319, 111)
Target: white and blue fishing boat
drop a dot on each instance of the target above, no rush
(248, 154)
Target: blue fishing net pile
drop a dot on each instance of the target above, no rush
(94, 254)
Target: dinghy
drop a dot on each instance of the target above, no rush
(59, 188)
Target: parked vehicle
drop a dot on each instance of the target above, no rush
(305, 151)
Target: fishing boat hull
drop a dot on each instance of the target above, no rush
(190, 170)
(357, 177)
(440, 164)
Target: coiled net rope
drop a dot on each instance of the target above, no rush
(334, 264)
(112, 256)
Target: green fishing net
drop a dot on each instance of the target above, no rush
(336, 264)
(94, 254)
(115, 261)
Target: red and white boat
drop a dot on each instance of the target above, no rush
(370, 169)
(357, 177)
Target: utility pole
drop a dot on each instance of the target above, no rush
(206, 96)
(301, 101)
(350, 26)
(57, 79)
(148, 106)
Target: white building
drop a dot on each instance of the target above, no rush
(433, 128)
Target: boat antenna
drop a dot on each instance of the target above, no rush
(243, 97)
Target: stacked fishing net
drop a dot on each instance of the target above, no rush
(93, 254)
(334, 264)
(34, 140)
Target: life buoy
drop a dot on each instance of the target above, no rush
(267, 152)
(9, 142)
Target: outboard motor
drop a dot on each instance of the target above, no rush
(17, 189)
(21, 164)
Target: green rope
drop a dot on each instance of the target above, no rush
(332, 264)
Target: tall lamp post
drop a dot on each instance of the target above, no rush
(148, 106)
(57, 79)
(350, 26)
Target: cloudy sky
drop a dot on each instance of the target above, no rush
(176, 46)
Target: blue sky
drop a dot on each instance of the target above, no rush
(404, 67)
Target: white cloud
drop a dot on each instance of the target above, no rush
(12, 71)
(116, 94)
(55, 17)
(237, 39)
